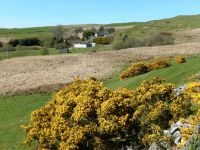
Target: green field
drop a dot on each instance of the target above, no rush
(52, 51)
(16, 110)
(26, 32)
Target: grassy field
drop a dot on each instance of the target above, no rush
(177, 74)
(15, 111)
(26, 32)
(52, 51)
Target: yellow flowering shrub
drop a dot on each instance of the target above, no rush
(180, 59)
(142, 67)
(134, 70)
(86, 115)
(158, 64)
(194, 90)
(193, 121)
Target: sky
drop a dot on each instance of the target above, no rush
(31, 13)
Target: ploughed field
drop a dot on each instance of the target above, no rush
(46, 73)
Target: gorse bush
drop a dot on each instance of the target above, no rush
(180, 59)
(142, 67)
(194, 90)
(158, 64)
(134, 70)
(86, 115)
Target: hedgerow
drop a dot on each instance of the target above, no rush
(86, 115)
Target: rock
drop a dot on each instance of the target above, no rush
(180, 89)
(154, 146)
(177, 140)
(180, 124)
(174, 128)
(177, 134)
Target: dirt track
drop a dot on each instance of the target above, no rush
(45, 73)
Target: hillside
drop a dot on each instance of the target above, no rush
(175, 24)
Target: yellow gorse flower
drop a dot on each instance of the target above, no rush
(85, 113)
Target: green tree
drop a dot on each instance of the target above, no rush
(101, 29)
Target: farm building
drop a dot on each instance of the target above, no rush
(85, 45)
(102, 34)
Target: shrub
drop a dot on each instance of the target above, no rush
(44, 51)
(141, 68)
(161, 38)
(195, 78)
(14, 42)
(125, 42)
(30, 42)
(134, 70)
(87, 34)
(87, 115)
(180, 59)
(194, 90)
(118, 44)
(158, 64)
(25, 42)
(102, 40)
(1, 44)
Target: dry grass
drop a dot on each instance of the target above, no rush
(188, 36)
(42, 74)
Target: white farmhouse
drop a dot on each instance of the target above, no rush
(85, 45)
(80, 45)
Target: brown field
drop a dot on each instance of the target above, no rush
(188, 36)
(46, 73)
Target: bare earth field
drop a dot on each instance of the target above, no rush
(46, 73)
